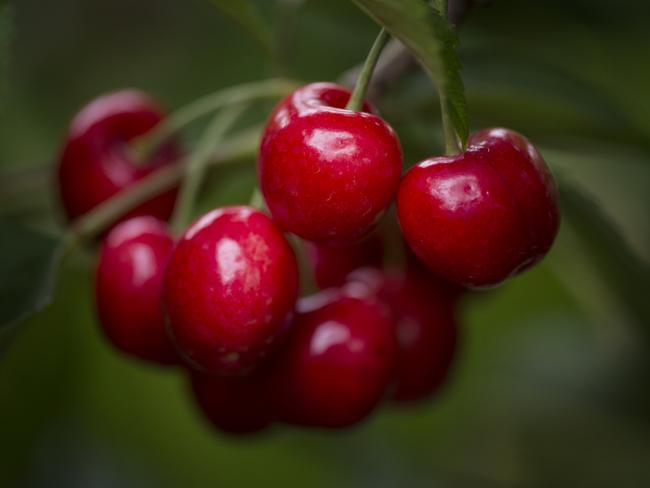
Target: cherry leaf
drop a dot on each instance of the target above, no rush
(28, 264)
(626, 274)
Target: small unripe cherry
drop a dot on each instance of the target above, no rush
(338, 361)
(230, 288)
(128, 292)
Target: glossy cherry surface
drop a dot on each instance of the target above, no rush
(230, 289)
(129, 283)
(327, 173)
(338, 361)
(423, 317)
(95, 162)
(484, 215)
(332, 262)
(233, 404)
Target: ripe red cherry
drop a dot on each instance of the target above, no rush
(423, 317)
(234, 404)
(129, 284)
(416, 271)
(423, 312)
(230, 289)
(332, 262)
(484, 215)
(327, 173)
(338, 361)
(95, 163)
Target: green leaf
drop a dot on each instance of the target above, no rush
(28, 263)
(247, 16)
(433, 42)
(627, 276)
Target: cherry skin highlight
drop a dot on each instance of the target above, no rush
(95, 163)
(484, 215)
(234, 404)
(332, 262)
(230, 288)
(128, 288)
(327, 173)
(338, 361)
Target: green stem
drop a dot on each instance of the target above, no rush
(210, 140)
(452, 144)
(257, 200)
(147, 144)
(356, 100)
(242, 145)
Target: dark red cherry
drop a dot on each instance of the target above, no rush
(96, 163)
(484, 215)
(416, 270)
(234, 404)
(423, 317)
(338, 361)
(129, 284)
(332, 262)
(230, 289)
(327, 173)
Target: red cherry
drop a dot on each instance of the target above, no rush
(230, 289)
(327, 173)
(129, 283)
(416, 270)
(332, 262)
(423, 317)
(484, 215)
(95, 163)
(234, 404)
(338, 361)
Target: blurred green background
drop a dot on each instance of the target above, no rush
(552, 384)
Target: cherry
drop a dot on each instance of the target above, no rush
(327, 173)
(423, 315)
(230, 289)
(95, 163)
(482, 216)
(332, 262)
(129, 283)
(338, 360)
(416, 270)
(235, 405)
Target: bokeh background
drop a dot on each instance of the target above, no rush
(551, 386)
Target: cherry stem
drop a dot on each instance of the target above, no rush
(356, 99)
(257, 199)
(147, 145)
(241, 146)
(452, 144)
(195, 167)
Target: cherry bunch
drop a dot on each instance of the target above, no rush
(221, 300)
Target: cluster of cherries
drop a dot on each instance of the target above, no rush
(222, 299)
